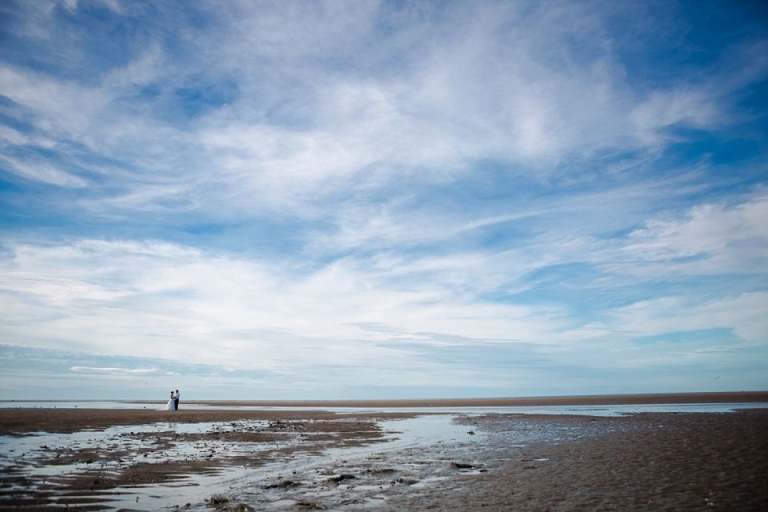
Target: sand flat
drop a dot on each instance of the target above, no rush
(310, 458)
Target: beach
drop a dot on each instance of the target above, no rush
(365, 455)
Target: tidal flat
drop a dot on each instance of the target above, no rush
(387, 456)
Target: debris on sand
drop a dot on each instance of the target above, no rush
(283, 484)
(338, 479)
(219, 499)
(311, 505)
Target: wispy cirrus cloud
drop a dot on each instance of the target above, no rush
(112, 371)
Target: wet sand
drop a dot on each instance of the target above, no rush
(658, 398)
(698, 461)
(307, 458)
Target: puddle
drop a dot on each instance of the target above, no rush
(421, 431)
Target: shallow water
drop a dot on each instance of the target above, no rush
(578, 410)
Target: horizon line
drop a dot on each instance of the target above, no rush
(601, 399)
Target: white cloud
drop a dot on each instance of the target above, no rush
(112, 371)
(61, 108)
(37, 169)
(10, 137)
(662, 110)
(744, 314)
(435, 90)
(153, 298)
(710, 239)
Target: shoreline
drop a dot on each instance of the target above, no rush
(619, 399)
(52, 419)
(630, 399)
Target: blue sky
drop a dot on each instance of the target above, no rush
(382, 199)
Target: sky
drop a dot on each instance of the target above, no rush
(382, 199)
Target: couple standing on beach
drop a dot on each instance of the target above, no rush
(173, 401)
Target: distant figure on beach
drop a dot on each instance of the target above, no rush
(176, 400)
(169, 405)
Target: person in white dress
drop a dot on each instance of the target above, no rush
(169, 405)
